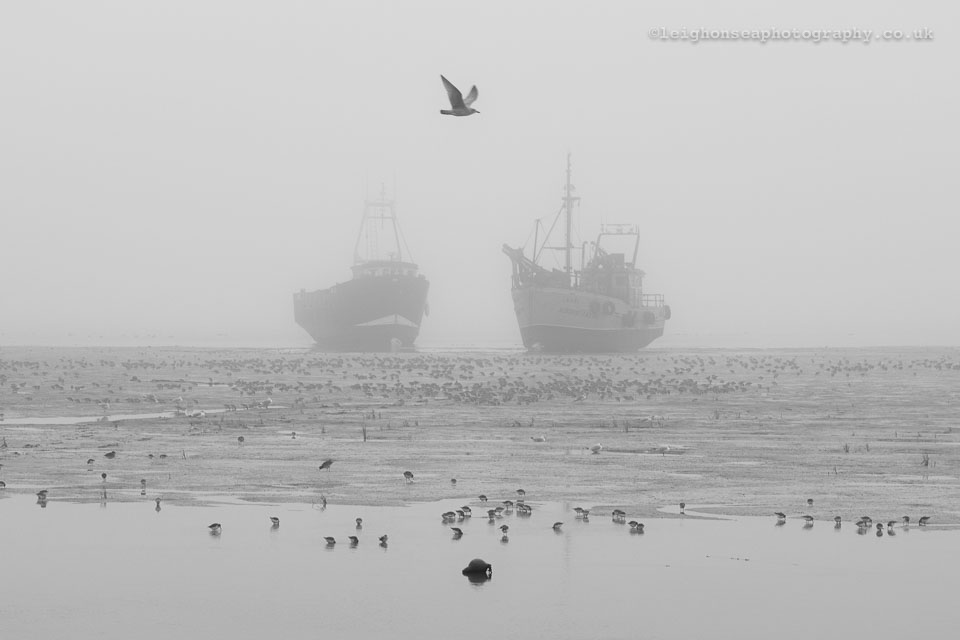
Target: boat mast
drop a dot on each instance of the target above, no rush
(381, 210)
(568, 201)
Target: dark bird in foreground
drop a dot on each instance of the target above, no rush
(326, 464)
(110, 454)
(215, 528)
(275, 520)
(478, 566)
(408, 476)
(923, 520)
(460, 106)
(330, 540)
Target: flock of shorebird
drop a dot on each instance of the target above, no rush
(864, 523)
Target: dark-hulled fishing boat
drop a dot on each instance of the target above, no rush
(382, 306)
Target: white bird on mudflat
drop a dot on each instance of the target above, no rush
(460, 106)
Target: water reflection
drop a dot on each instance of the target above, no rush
(736, 574)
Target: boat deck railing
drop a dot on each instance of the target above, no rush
(652, 300)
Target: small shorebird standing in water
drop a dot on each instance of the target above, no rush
(359, 523)
(354, 540)
(836, 522)
(504, 528)
(215, 528)
(457, 532)
(110, 455)
(808, 521)
(460, 106)
(597, 448)
(275, 520)
(326, 464)
(383, 540)
(408, 476)
(330, 540)
(683, 505)
(103, 477)
(557, 525)
(923, 521)
(781, 517)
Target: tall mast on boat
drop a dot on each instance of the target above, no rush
(568, 201)
(384, 211)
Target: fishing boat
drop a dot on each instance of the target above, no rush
(381, 307)
(598, 307)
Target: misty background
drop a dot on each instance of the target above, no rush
(171, 173)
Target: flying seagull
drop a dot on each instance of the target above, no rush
(460, 105)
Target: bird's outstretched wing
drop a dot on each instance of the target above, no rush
(456, 98)
(471, 97)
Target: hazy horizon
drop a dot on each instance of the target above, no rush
(174, 172)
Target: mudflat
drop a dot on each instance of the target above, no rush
(858, 431)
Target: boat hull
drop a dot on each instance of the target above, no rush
(379, 313)
(563, 320)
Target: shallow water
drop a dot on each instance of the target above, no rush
(125, 570)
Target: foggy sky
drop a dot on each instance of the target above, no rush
(173, 172)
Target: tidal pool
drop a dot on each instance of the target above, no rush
(124, 570)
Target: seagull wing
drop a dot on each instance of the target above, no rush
(456, 98)
(471, 97)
